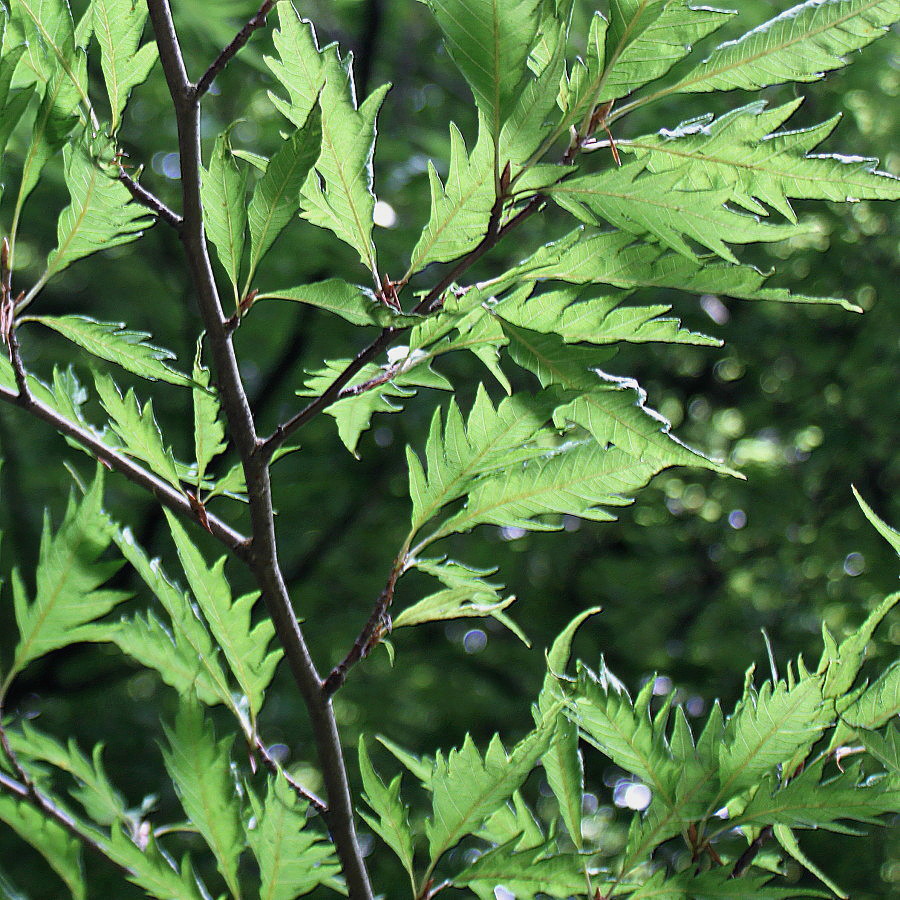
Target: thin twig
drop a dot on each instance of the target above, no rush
(241, 38)
(272, 764)
(164, 492)
(746, 858)
(378, 624)
(429, 303)
(263, 556)
(151, 201)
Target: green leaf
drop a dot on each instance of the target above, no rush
(69, 575)
(137, 428)
(245, 647)
(420, 766)
(492, 439)
(293, 858)
(612, 257)
(513, 823)
(645, 39)
(118, 25)
(886, 749)
(891, 535)
(209, 429)
(338, 193)
(737, 151)
(153, 870)
(349, 301)
(650, 205)
(200, 768)
(809, 802)
(527, 873)
(112, 341)
(190, 661)
(223, 189)
(101, 214)
(300, 67)
(392, 825)
(490, 41)
(93, 790)
(51, 840)
(577, 479)
(800, 44)
(276, 197)
(768, 728)
(353, 414)
(11, 106)
(789, 842)
(467, 787)
(878, 704)
(466, 595)
(624, 731)
(461, 207)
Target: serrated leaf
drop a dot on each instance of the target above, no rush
(68, 580)
(460, 207)
(349, 301)
(648, 204)
(768, 728)
(808, 801)
(338, 193)
(193, 659)
(300, 67)
(493, 438)
(614, 258)
(789, 842)
(623, 731)
(466, 595)
(92, 789)
(118, 25)
(886, 749)
(11, 106)
(578, 479)
(246, 648)
(392, 825)
(490, 41)
(466, 787)
(800, 44)
(200, 768)
(153, 870)
(223, 189)
(50, 839)
(209, 429)
(353, 414)
(293, 858)
(112, 341)
(101, 214)
(737, 151)
(878, 704)
(527, 873)
(137, 428)
(646, 39)
(276, 197)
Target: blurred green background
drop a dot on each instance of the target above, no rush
(803, 400)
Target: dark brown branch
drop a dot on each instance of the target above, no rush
(263, 555)
(239, 40)
(746, 858)
(378, 624)
(151, 201)
(317, 803)
(164, 492)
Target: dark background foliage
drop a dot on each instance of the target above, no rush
(803, 400)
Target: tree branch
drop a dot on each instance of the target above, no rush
(151, 201)
(263, 555)
(378, 624)
(239, 40)
(429, 303)
(317, 803)
(747, 857)
(165, 493)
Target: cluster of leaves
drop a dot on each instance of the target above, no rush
(568, 439)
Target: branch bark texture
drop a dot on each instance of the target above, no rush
(263, 555)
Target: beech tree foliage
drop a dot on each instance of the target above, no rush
(546, 435)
